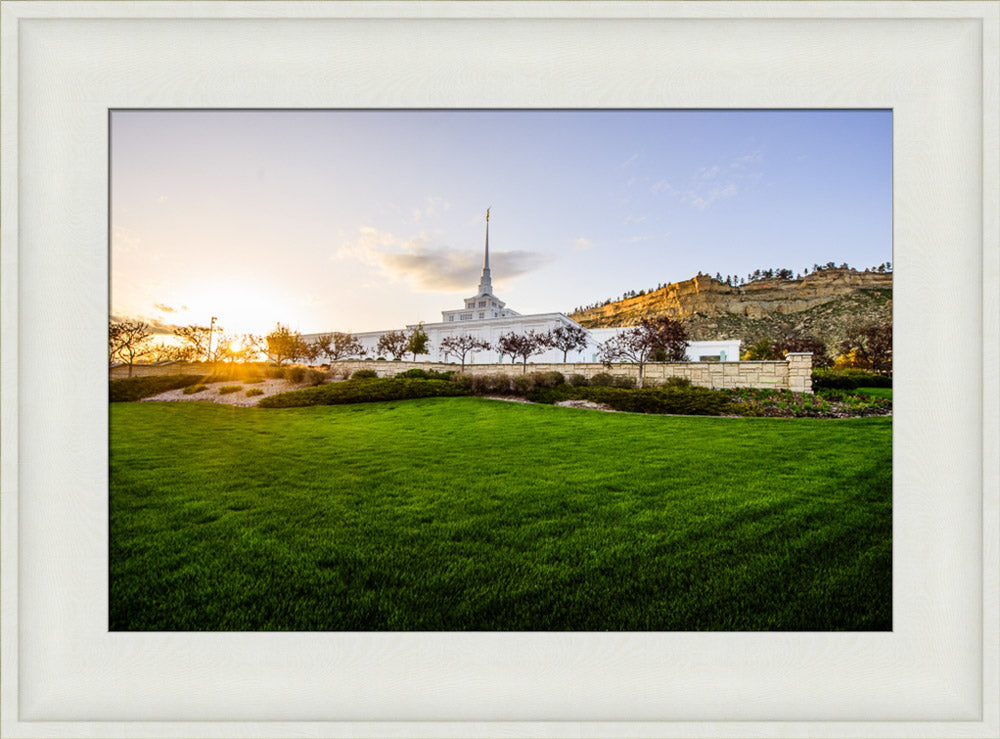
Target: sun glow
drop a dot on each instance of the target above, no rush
(246, 307)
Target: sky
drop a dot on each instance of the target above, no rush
(372, 220)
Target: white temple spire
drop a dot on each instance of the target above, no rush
(485, 283)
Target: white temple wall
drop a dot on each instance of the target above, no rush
(491, 330)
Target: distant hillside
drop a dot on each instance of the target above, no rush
(821, 304)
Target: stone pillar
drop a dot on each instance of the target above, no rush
(800, 371)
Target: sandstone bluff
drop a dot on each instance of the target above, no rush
(822, 304)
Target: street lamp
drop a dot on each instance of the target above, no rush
(211, 333)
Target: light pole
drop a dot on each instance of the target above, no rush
(211, 333)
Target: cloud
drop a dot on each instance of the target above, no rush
(433, 205)
(629, 161)
(661, 186)
(156, 326)
(702, 201)
(164, 308)
(582, 244)
(433, 267)
(717, 182)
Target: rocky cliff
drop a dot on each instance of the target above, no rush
(821, 304)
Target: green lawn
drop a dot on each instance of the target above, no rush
(874, 392)
(471, 514)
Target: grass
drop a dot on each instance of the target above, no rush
(470, 514)
(874, 392)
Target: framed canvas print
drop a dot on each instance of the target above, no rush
(696, 240)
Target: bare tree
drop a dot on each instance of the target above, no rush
(342, 346)
(462, 345)
(669, 336)
(567, 339)
(871, 342)
(195, 340)
(639, 343)
(522, 346)
(804, 344)
(128, 340)
(393, 343)
(284, 344)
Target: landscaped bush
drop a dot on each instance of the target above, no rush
(254, 391)
(848, 379)
(677, 382)
(523, 384)
(496, 383)
(577, 380)
(551, 378)
(364, 374)
(136, 388)
(315, 377)
(295, 373)
(192, 389)
(697, 401)
(363, 391)
(227, 389)
(275, 373)
(623, 381)
(602, 379)
(419, 374)
(823, 404)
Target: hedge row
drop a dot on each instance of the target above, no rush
(363, 391)
(136, 388)
(848, 379)
(688, 401)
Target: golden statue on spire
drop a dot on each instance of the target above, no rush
(488, 214)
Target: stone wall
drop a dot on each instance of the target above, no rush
(792, 373)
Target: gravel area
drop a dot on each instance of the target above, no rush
(586, 404)
(211, 393)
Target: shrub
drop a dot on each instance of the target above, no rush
(577, 380)
(275, 373)
(295, 373)
(254, 391)
(551, 378)
(623, 381)
(677, 382)
(366, 391)
(135, 388)
(227, 389)
(364, 374)
(602, 379)
(254, 381)
(191, 390)
(683, 401)
(415, 373)
(435, 375)
(495, 383)
(524, 384)
(848, 379)
(315, 377)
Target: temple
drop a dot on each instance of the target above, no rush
(484, 304)
(486, 317)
